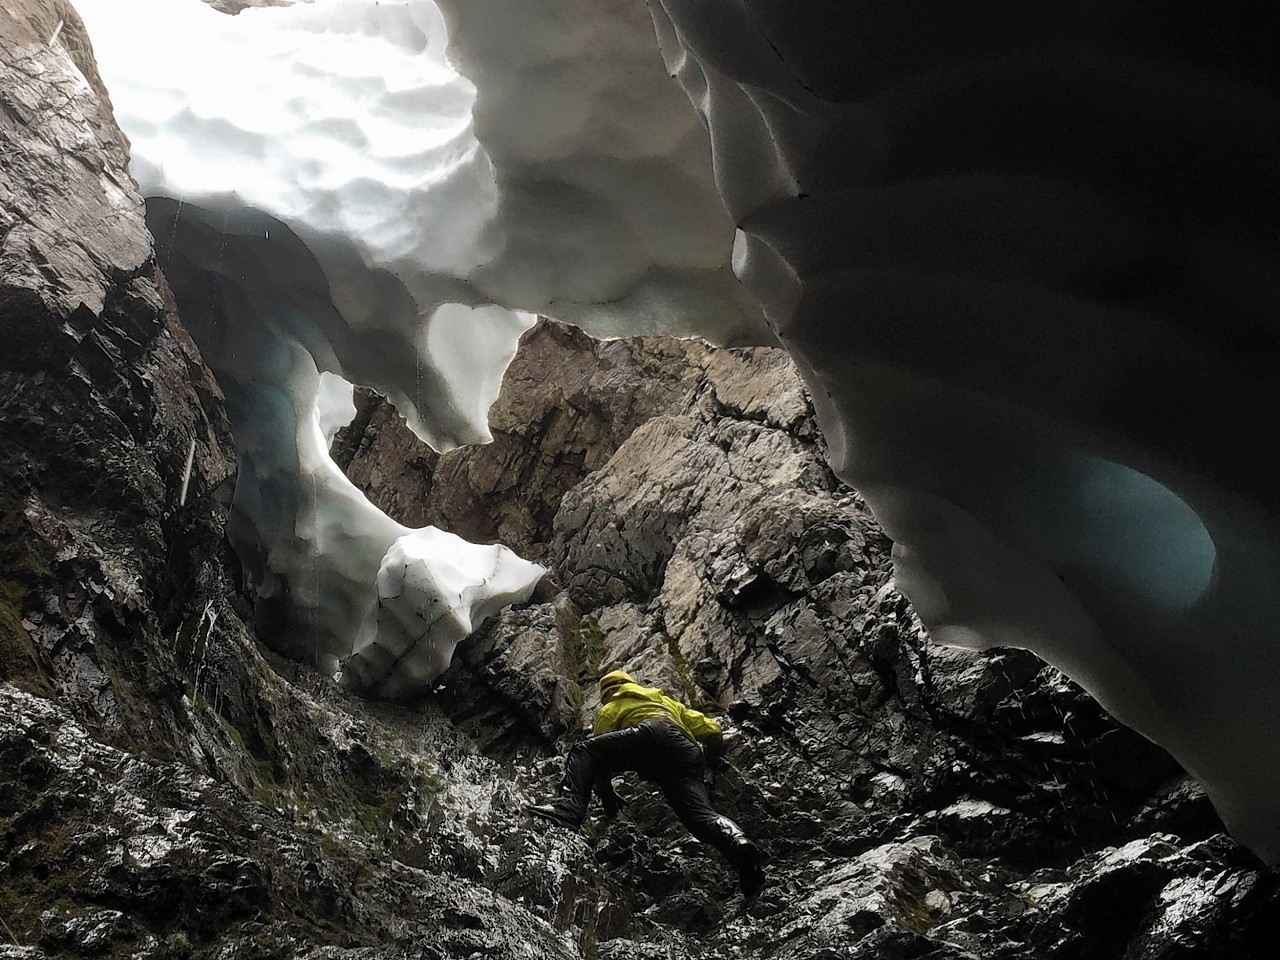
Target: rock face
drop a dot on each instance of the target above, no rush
(103, 397)
(913, 800)
(168, 790)
(569, 403)
(153, 856)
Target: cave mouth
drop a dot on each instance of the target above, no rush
(1109, 523)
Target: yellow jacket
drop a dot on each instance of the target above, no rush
(632, 704)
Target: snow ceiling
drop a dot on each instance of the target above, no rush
(1025, 256)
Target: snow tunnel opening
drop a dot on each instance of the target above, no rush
(1114, 524)
(272, 319)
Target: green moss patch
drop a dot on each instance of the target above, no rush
(24, 571)
(586, 649)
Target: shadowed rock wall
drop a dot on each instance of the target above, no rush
(164, 791)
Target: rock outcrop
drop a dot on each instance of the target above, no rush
(104, 400)
(913, 800)
(568, 404)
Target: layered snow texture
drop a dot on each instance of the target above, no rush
(1025, 256)
(312, 543)
(288, 173)
(433, 590)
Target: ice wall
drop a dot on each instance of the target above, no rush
(1025, 256)
(314, 187)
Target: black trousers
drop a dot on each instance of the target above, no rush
(661, 752)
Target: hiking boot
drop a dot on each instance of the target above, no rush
(561, 812)
(745, 857)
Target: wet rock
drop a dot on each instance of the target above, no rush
(91, 932)
(168, 789)
(174, 851)
(517, 676)
(103, 397)
(905, 794)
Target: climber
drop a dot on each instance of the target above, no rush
(642, 730)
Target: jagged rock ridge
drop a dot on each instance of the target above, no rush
(911, 798)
